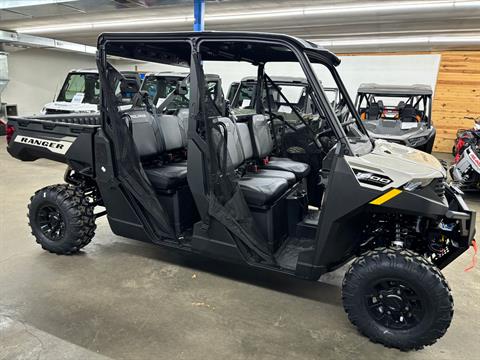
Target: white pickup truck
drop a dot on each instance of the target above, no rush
(80, 93)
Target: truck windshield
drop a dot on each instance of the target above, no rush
(80, 88)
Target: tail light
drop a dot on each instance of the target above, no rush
(9, 132)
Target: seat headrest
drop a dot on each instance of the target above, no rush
(262, 136)
(146, 136)
(408, 113)
(246, 140)
(235, 152)
(173, 130)
(373, 111)
(381, 107)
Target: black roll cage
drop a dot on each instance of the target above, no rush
(303, 51)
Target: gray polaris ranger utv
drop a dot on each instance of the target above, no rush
(399, 114)
(221, 186)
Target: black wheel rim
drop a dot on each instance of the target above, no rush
(51, 222)
(394, 304)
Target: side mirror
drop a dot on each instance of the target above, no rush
(181, 89)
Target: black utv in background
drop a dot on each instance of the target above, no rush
(241, 189)
(400, 114)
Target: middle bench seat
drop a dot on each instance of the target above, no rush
(259, 188)
(263, 144)
(247, 144)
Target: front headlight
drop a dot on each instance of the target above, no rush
(417, 140)
(417, 184)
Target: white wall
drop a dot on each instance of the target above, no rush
(380, 69)
(354, 70)
(389, 69)
(35, 75)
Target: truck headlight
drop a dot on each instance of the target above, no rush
(417, 140)
(417, 184)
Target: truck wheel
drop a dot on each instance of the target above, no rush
(61, 218)
(397, 298)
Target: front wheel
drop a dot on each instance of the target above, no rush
(61, 218)
(397, 298)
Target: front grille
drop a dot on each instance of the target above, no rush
(56, 111)
(439, 187)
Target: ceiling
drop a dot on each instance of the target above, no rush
(359, 25)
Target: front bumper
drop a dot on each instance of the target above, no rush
(458, 212)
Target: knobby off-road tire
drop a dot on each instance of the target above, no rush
(397, 298)
(61, 219)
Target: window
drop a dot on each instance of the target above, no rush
(81, 88)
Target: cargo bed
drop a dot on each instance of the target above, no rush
(54, 137)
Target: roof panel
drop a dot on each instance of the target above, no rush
(379, 89)
(218, 45)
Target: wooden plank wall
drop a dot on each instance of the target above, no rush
(457, 95)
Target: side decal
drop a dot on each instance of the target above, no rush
(385, 197)
(59, 147)
(371, 178)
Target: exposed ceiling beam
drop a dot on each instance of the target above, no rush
(25, 40)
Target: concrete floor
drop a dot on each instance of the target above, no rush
(128, 300)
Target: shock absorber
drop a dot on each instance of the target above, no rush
(398, 242)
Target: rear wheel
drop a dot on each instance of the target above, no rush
(397, 298)
(61, 218)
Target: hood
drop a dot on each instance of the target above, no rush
(400, 163)
(71, 107)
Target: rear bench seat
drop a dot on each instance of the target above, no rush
(153, 140)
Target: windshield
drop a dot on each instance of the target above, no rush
(80, 88)
(282, 97)
(159, 87)
(292, 92)
(344, 110)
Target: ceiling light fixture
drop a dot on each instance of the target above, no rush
(412, 40)
(10, 4)
(373, 8)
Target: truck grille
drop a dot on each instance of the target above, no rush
(439, 187)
